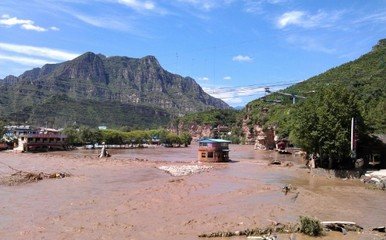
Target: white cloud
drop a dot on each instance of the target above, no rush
(293, 17)
(138, 5)
(309, 44)
(33, 27)
(29, 56)
(54, 28)
(96, 22)
(24, 60)
(26, 24)
(237, 95)
(203, 78)
(103, 22)
(248, 91)
(143, 6)
(38, 51)
(276, 1)
(207, 5)
(227, 78)
(242, 58)
(379, 17)
(242, 94)
(257, 6)
(303, 19)
(233, 101)
(237, 92)
(253, 7)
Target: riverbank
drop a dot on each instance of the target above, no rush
(128, 197)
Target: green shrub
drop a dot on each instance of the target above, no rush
(310, 226)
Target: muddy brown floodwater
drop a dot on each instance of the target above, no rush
(127, 197)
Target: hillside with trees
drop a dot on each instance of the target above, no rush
(93, 89)
(364, 77)
(319, 121)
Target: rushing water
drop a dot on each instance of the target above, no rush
(124, 199)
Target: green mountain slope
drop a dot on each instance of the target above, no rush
(365, 77)
(129, 88)
(61, 110)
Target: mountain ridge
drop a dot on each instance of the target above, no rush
(97, 78)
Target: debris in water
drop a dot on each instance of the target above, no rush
(307, 225)
(341, 226)
(256, 233)
(176, 180)
(295, 197)
(177, 171)
(263, 237)
(21, 177)
(380, 229)
(275, 162)
(288, 188)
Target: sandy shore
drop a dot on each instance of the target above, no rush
(127, 196)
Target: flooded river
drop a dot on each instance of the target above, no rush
(128, 197)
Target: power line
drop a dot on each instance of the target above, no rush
(247, 88)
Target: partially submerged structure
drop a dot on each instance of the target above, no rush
(44, 139)
(213, 150)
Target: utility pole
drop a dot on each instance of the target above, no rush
(353, 139)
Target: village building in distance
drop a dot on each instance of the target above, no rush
(26, 139)
(213, 150)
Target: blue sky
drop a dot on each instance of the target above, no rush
(232, 48)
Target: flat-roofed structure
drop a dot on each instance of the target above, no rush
(49, 139)
(213, 150)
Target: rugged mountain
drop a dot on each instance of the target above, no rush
(98, 81)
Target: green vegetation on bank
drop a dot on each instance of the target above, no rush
(87, 135)
(213, 118)
(322, 124)
(310, 226)
(364, 77)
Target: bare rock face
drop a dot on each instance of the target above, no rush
(101, 79)
(200, 131)
(265, 138)
(255, 134)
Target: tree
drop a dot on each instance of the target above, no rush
(85, 135)
(2, 128)
(322, 123)
(186, 138)
(172, 138)
(112, 136)
(72, 136)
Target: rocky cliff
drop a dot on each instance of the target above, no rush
(100, 79)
